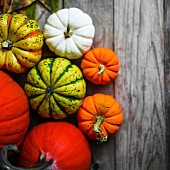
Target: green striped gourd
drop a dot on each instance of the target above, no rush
(55, 88)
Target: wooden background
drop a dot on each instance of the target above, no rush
(138, 31)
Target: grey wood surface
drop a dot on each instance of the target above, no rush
(139, 43)
(167, 76)
(134, 29)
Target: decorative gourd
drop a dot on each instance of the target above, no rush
(69, 33)
(57, 145)
(100, 65)
(99, 116)
(20, 42)
(55, 87)
(14, 111)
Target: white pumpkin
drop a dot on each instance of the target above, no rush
(69, 33)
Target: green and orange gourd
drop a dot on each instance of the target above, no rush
(20, 43)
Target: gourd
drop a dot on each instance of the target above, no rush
(57, 145)
(14, 111)
(20, 43)
(100, 65)
(55, 88)
(99, 116)
(69, 33)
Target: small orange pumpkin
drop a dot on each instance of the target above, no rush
(100, 65)
(99, 116)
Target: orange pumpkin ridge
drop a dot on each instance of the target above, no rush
(9, 20)
(32, 34)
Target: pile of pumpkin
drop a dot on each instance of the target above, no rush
(55, 88)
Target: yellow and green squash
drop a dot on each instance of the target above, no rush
(20, 43)
(55, 88)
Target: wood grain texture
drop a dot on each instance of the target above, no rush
(101, 12)
(167, 76)
(138, 30)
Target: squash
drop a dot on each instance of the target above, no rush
(99, 116)
(57, 145)
(55, 88)
(14, 117)
(20, 43)
(100, 65)
(69, 33)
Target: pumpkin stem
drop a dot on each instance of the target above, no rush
(49, 91)
(68, 32)
(7, 44)
(6, 165)
(99, 120)
(101, 69)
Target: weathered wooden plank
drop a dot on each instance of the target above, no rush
(167, 76)
(141, 142)
(101, 13)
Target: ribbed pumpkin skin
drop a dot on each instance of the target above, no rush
(69, 33)
(99, 105)
(14, 112)
(55, 87)
(60, 141)
(20, 43)
(96, 59)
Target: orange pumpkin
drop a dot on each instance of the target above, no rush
(99, 116)
(14, 112)
(100, 65)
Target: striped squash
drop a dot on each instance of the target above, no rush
(20, 43)
(55, 88)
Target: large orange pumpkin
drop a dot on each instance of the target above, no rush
(100, 65)
(99, 116)
(14, 111)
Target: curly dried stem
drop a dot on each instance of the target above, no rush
(99, 120)
(101, 69)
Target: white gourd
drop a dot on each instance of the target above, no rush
(69, 33)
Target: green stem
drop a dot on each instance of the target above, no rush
(49, 91)
(99, 120)
(68, 32)
(7, 44)
(6, 165)
(101, 69)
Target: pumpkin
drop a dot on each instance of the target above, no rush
(99, 116)
(58, 145)
(69, 33)
(55, 88)
(20, 42)
(100, 65)
(14, 109)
